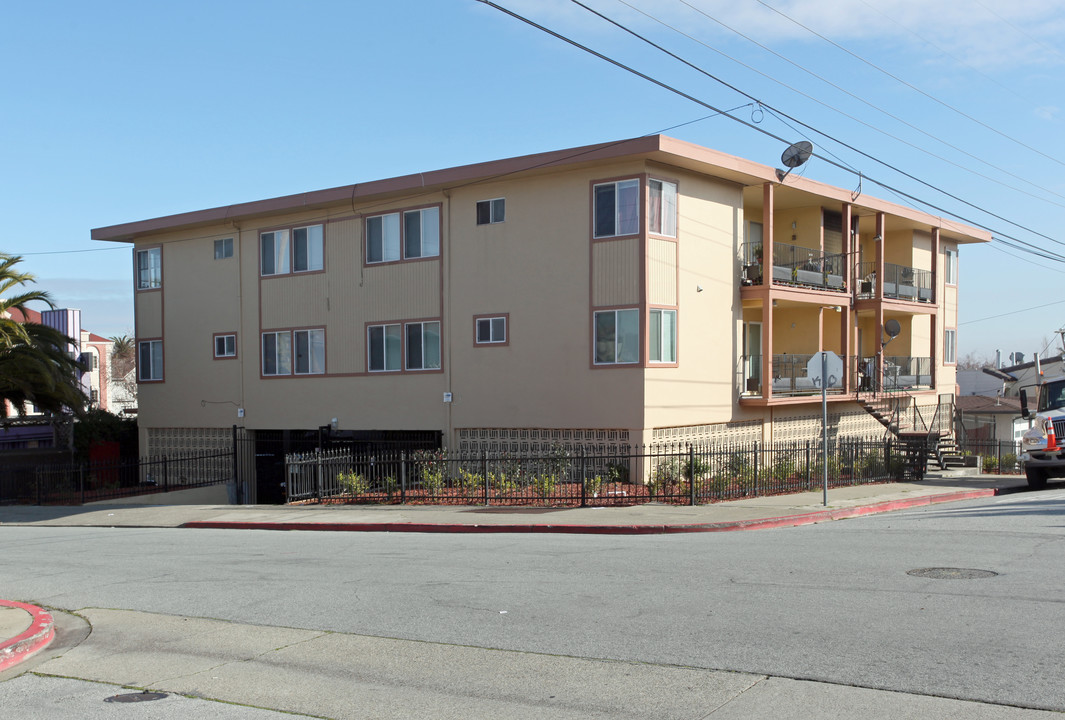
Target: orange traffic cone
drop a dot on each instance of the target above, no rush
(1052, 440)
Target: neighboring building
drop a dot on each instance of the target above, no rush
(991, 418)
(985, 381)
(1024, 376)
(632, 292)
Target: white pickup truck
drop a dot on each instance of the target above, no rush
(1043, 445)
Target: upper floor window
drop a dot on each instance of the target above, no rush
(491, 211)
(150, 360)
(223, 248)
(662, 336)
(950, 347)
(403, 236)
(950, 266)
(617, 208)
(617, 337)
(298, 250)
(150, 269)
(491, 330)
(310, 351)
(662, 213)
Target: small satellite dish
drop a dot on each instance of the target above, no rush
(794, 156)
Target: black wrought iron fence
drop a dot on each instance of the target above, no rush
(675, 474)
(74, 483)
(999, 457)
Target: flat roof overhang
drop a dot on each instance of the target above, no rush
(796, 192)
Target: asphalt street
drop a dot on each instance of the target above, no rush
(833, 603)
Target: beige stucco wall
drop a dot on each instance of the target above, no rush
(703, 388)
(540, 268)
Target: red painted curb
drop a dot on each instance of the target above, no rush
(758, 524)
(36, 637)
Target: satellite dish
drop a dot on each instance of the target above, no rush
(794, 156)
(891, 329)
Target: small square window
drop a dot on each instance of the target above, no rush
(490, 212)
(491, 330)
(225, 346)
(223, 248)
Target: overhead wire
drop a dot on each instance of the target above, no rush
(913, 87)
(854, 96)
(793, 119)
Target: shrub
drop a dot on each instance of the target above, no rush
(353, 483)
(593, 485)
(432, 466)
(545, 484)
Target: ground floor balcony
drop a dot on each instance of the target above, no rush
(868, 375)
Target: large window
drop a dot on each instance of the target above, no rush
(662, 213)
(662, 336)
(384, 347)
(491, 211)
(150, 360)
(150, 269)
(950, 266)
(417, 342)
(950, 347)
(298, 250)
(617, 334)
(423, 346)
(303, 350)
(617, 208)
(403, 236)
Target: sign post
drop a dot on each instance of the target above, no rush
(826, 370)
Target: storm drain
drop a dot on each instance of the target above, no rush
(136, 697)
(942, 573)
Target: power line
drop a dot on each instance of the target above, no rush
(70, 252)
(795, 120)
(1013, 312)
(860, 99)
(909, 85)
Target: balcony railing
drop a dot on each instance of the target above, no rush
(789, 376)
(900, 282)
(794, 265)
(901, 373)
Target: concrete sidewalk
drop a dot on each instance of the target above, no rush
(748, 513)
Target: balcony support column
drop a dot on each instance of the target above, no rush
(935, 266)
(767, 285)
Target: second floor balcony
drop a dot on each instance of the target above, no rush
(901, 282)
(794, 265)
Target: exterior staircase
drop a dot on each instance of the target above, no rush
(922, 443)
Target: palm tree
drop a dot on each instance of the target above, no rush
(123, 355)
(11, 330)
(41, 371)
(35, 363)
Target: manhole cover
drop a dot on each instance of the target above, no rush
(136, 697)
(951, 573)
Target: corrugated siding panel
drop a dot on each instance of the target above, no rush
(295, 300)
(616, 273)
(150, 314)
(662, 255)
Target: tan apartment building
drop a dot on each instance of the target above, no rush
(631, 292)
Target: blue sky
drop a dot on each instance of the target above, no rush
(120, 111)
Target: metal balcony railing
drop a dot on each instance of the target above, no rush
(794, 265)
(901, 282)
(901, 373)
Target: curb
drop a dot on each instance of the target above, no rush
(40, 632)
(757, 524)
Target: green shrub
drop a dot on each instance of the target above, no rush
(545, 484)
(593, 485)
(354, 483)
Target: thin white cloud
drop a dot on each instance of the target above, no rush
(979, 33)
